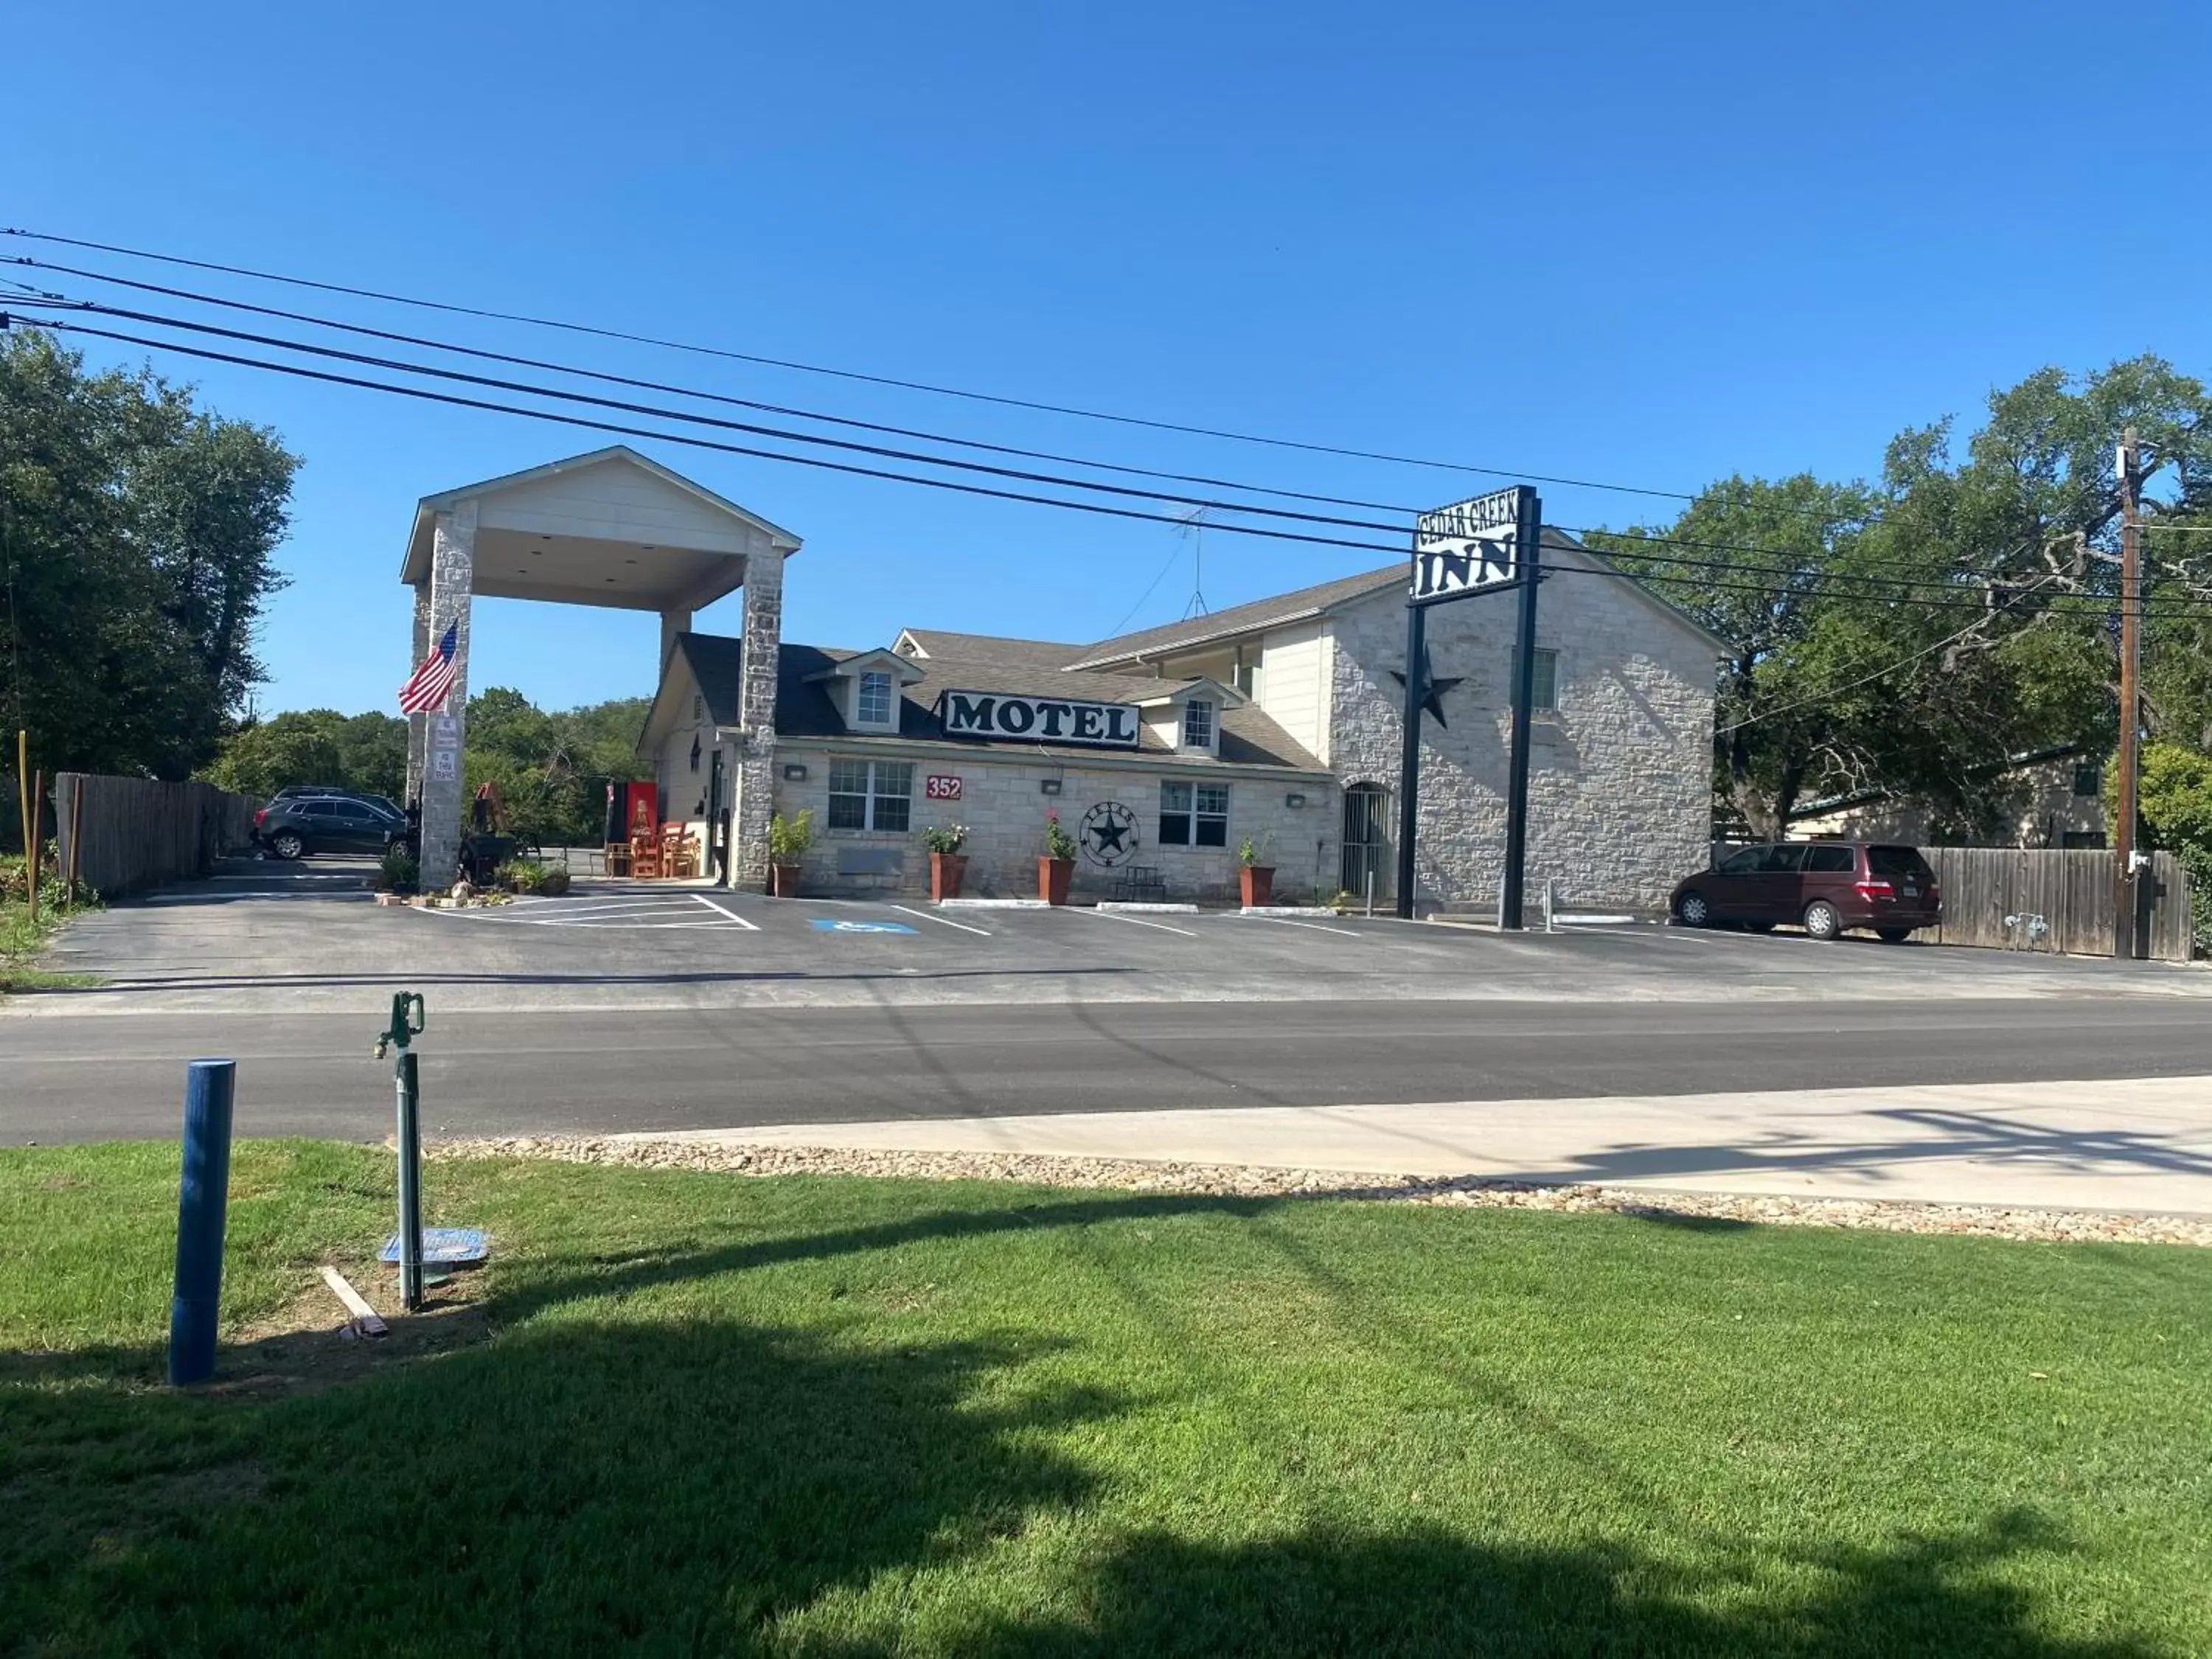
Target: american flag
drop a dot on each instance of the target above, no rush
(427, 689)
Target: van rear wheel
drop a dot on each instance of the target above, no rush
(1823, 921)
(1895, 935)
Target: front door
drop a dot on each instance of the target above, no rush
(1366, 867)
(718, 821)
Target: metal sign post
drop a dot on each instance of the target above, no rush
(408, 1020)
(1490, 545)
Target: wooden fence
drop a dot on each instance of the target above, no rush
(139, 834)
(2070, 893)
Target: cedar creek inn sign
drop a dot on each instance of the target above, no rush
(1039, 720)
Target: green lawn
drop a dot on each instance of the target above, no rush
(713, 1414)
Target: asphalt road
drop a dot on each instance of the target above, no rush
(629, 1069)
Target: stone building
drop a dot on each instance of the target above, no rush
(1277, 722)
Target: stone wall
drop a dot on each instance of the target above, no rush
(1620, 777)
(1004, 806)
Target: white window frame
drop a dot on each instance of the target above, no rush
(1202, 713)
(877, 777)
(1191, 801)
(1546, 699)
(860, 687)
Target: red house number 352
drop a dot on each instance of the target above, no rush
(943, 788)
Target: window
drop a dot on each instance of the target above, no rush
(871, 794)
(1745, 863)
(2089, 780)
(873, 702)
(1830, 861)
(1546, 699)
(1782, 860)
(1193, 815)
(1198, 724)
(1904, 861)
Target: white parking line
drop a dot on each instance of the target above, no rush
(724, 910)
(1318, 927)
(1134, 921)
(926, 916)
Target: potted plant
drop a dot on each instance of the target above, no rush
(947, 863)
(1058, 864)
(787, 841)
(1256, 881)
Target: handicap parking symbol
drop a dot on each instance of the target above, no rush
(824, 925)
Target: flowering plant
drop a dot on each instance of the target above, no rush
(1058, 843)
(944, 838)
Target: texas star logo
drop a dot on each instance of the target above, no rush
(1107, 834)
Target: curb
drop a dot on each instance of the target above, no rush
(991, 904)
(1286, 910)
(1142, 906)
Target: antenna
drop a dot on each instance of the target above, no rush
(1193, 526)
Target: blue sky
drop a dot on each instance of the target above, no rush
(1651, 245)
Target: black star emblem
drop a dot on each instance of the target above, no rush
(1433, 689)
(1109, 833)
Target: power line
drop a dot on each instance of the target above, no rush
(1797, 569)
(425, 394)
(1834, 691)
(454, 399)
(482, 354)
(633, 338)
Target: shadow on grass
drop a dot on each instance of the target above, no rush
(1430, 1592)
(583, 1483)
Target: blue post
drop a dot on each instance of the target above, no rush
(202, 1197)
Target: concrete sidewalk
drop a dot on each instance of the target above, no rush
(2143, 1147)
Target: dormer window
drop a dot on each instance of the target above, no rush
(871, 699)
(1198, 724)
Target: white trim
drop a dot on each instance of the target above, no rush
(1134, 921)
(723, 909)
(944, 920)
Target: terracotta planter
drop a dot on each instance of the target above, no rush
(782, 880)
(1256, 882)
(945, 871)
(1053, 876)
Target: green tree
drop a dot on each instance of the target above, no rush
(136, 542)
(1914, 635)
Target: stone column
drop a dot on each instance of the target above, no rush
(673, 623)
(417, 725)
(756, 761)
(453, 582)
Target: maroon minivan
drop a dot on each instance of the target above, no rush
(1827, 887)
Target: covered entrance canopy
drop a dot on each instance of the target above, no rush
(610, 528)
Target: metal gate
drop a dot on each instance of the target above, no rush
(1366, 841)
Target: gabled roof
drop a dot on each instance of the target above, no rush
(1279, 611)
(711, 662)
(445, 498)
(1307, 603)
(975, 662)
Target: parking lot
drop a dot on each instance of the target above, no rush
(273, 937)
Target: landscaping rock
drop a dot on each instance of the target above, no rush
(1247, 1180)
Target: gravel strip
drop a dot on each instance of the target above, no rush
(1252, 1180)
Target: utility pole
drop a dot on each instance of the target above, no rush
(2123, 829)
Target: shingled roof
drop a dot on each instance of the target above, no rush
(978, 662)
(1305, 602)
(1277, 611)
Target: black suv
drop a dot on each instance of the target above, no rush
(293, 826)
